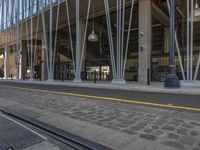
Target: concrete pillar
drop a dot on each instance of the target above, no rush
(166, 40)
(145, 39)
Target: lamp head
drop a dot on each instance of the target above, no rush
(196, 10)
(93, 37)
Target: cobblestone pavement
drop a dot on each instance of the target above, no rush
(171, 128)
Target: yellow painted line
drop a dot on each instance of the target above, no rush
(106, 98)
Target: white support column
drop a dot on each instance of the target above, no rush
(31, 44)
(120, 43)
(6, 59)
(50, 77)
(191, 37)
(81, 33)
(119, 55)
(82, 29)
(188, 39)
(145, 39)
(78, 42)
(17, 52)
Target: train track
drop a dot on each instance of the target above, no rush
(67, 139)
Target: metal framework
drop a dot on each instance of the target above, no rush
(18, 11)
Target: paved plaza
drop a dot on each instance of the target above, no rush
(116, 125)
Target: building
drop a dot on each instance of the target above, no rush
(116, 40)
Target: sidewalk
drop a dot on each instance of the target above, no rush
(116, 125)
(133, 86)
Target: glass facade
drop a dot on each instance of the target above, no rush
(97, 55)
(12, 11)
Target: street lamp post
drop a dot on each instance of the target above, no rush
(172, 80)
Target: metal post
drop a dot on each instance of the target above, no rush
(50, 77)
(78, 42)
(95, 78)
(6, 60)
(188, 40)
(31, 46)
(172, 80)
(191, 38)
(148, 76)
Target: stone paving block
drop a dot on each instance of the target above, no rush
(188, 140)
(148, 131)
(155, 127)
(194, 133)
(187, 125)
(157, 133)
(160, 122)
(173, 136)
(137, 127)
(129, 131)
(168, 127)
(174, 144)
(182, 131)
(149, 136)
(195, 124)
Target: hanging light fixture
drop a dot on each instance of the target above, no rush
(196, 9)
(93, 37)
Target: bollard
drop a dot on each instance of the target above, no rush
(63, 76)
(95, 79)
(24, 76)
(148, 76)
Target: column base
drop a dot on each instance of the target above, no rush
(77, 80)
(118, 81)
(31, 79)
(50, 80)
(172, 81)
(189, 83)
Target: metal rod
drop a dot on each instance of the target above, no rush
(188, 39)
(50, 77)
(31, 50)
(55, 41)
(45, 38)
(191, 38)
(180, 58)
(36, 39)
(122, 44)
(110, 38)
(70, 36)
(78, 40)
(84, 37)
(128, 37)
(172, 33)
(197, 68)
